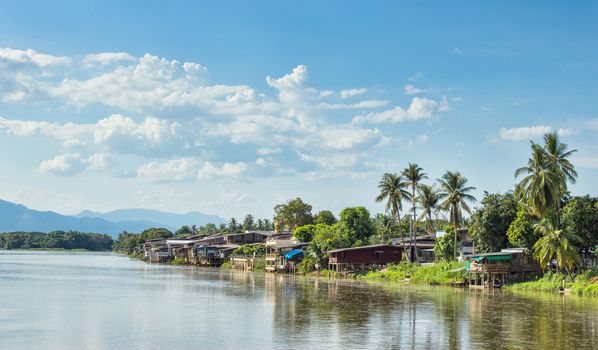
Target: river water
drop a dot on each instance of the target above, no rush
(56, 300)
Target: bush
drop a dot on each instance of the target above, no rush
(178, 261)
(226, 266)
(306, 265)
(550, 282)
(586, 284)
(260, 266)
(441, 273)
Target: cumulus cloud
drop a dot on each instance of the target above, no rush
(420, 108)
(564, 132)
(105, 58)
(29, 56)
(412, 90)
(352, 92)
(523, 133)
(209, 171)
(172, 170)
(72, 163)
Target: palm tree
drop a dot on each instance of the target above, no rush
(557, 154)
(413, 173)
(456, 195)
(392, 189)
(540, 189)
(429, 200)
(556, 244)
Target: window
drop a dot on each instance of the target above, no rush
(378, 254)
(342, 255)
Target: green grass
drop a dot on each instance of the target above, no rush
(178, 261)
(226, 266)
(441, 273)
(261, 267)
(586, 284)
(550, 282)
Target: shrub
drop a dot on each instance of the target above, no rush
(226, 266)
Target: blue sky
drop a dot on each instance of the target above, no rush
(232, 107)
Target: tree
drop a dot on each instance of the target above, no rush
(222, 228)
(248, 222)
(429, 199)
(444, 244)
(325, 217)
(540, 188)
(455, 195)
(357, 223)
(155, 232)
(413, 174)
(580, 216)
(557, 159)
(233, 226)
(292, 214)
(305, 233)
(328, 238)
(260, 225)
(268, 226)
(521, 231)
(208, 229)
(556, 244)
(489, 224)
(183, 231)
(393, 190)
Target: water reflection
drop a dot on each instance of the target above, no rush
(73, 301)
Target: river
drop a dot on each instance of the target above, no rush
(62, 300)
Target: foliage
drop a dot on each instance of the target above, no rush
(128, 242)
(586, 284)
(444, 245)
(251, 249)
(521, 232)
(580, 216)
(248, 222)
(357, 224)
(307, 265)
(325, 217)
(233, 226)
(429, 200)
(292, 214)
(550, 282)
(556, 244)
(185, 230)
(455, 195)
(260, 266)
(489, 224)
(305, 233)
(178, 261)
(327, 238)
(56, 239)
(413, 174)
(441, 273)
(226, 266)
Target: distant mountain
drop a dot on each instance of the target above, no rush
(16, 217)
(151, 217)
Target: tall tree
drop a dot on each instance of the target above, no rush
(325, 217)
(413, 174)
(358, 224)
(292, 214)
(455, 195)
(556, 244)
(541, 186)
(490, 223)
(393, 190)
(558, 162)
(248, 222)
(232, 225)
(429, 200)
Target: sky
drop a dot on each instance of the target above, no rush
(231, 107)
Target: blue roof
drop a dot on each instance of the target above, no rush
(294, 254)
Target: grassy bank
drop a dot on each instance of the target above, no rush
(584, 284)
(441, 273)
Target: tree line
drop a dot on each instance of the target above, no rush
(56, 240)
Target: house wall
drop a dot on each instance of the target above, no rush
(367, 256)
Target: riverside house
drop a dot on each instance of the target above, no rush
(495, 269)
(277, 246)
(364, 258)
(155, 250)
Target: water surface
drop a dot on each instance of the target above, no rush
(61, 300)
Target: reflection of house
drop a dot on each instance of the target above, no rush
(492, 269)
(156, 250)
(362, 258)
(276, 248)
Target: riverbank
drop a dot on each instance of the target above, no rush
(584, 284)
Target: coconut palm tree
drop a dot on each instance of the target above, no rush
(393, 190)
(429, 200)
(455, 195)
(556, 244)
(540, 189)
(557, 154)
(413, 173)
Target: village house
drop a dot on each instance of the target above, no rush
(497, 268)
(207, 255)
(276, 247)
(182, 249)
(364, 258)
(248, 237)
(156, 250)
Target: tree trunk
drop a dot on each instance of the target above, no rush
(413, 223)
(402, 239)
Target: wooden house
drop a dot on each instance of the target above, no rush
(208, 255)
(182, 249)
(497, 268)
(248, 237)
(156, 250)
(363, 258)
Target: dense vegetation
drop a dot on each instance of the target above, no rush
(56, 240)
(441, 273)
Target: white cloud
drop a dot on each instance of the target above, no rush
(172, 170)
(348, 137)
(209, 171)
(29, 56)
(412, 90)
(523, 133)
(73, 163)
(352, 92)
(564, 132)
(420, 108)
(105, 58)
